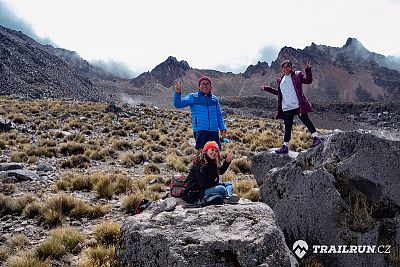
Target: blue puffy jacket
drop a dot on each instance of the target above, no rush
(206, 111)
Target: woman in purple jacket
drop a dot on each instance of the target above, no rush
(292, 101)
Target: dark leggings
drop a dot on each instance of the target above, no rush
(288, 120)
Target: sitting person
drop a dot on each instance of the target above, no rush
(204, 176)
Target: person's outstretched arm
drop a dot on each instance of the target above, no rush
(269, 89)
(180, 102)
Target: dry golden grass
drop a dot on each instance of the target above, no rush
(151, 168)
(76, 161)
(18, 241)
(14, 205)
(25, 259)
(60, 242)
(176, 162)
(99, 256)
(105, 187)
(131, 201)
(106, 233)
(130, 159)
(244, 186)
(32, 210)
(241, 165)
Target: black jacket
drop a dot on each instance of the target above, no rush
(202, 178)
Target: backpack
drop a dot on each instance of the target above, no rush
(178, 185)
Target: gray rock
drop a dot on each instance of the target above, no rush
(240, 235)
(41, 167)
(10, 166)
(23, 175)
(343, 192)
(262, 163)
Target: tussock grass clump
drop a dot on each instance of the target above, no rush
(82, 182)
(240, 165)
(78, 138)
(158, 158)
(39, 151)
(153, 148)
(72, 148)
(7, 187)
(123, 183)
(139, 184)
(119, 132)
(121, 145)
(76, 161)
(131, 201)
(106, 233)
(25, 259)
(17, 156)
(23, 140)
(99, 256)
(157, 188)
(151, 168)
(98, 154)
(228, 176)
(59, 242)
(18, 119)
(105, 187)
(244, 186)
(176, 162)
(52, 218)
(130, 159)
(2, 144)
(253, 195)
(14, 205)
(64, 205)
(4, 253)
(18, 241)
(32, 210)
(47, 143)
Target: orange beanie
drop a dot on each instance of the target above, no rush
(210, 144)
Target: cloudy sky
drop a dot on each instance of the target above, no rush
(226, 35)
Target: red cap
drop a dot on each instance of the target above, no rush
(205, 78)
(210, 144)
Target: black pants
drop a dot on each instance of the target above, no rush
(288, 120)
(202, 137)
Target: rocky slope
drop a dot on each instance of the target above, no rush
(349, 73)
(343, 192)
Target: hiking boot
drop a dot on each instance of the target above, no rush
(233, 199)
(283, 150)
(316, 141)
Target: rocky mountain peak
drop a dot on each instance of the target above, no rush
(260, 67)
(169, 70)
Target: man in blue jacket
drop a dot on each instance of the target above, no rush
(206, 112)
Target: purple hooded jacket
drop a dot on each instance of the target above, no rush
(298, 79)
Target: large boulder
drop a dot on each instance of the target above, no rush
(230, 235)
(343, 192)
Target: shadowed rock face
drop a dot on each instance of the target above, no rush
(343, 192)
(230, 235)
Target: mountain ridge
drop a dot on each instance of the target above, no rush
(348, 73)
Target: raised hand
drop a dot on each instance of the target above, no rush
(178, 86)
(308, 64)
(229, 157)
